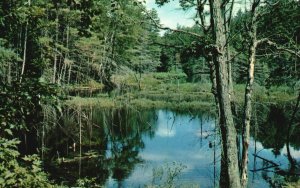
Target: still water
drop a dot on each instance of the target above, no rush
(131, 148)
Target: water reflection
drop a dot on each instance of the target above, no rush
(275, 147)
(123, 147)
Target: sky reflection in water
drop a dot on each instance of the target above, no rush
(189, 140)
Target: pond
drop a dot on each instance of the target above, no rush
(136, 148)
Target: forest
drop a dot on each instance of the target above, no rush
(88, 86)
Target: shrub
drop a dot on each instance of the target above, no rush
(20, 172)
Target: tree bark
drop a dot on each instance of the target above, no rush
(229, 163)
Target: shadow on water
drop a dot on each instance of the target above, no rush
(124, 147)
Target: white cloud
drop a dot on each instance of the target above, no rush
(164, 131)
(154, 157)
(294, 153)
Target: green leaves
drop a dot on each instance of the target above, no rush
(13, 174)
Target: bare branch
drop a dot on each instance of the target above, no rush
(280, 48)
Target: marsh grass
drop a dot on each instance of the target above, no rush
(169, 90)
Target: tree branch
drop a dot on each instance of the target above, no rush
(280, 48)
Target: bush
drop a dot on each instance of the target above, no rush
(20, 172)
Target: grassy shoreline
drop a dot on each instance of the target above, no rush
(166, 90)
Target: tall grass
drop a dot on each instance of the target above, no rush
(170, 90)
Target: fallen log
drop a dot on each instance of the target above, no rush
(271, 162)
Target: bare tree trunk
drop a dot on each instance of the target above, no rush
(69, 73)
(24, 51)
(62, 70)
(70, 65)
(67, 55)
(55, 49)
(248, 109)
(229, 161)
(248, 96)
(9, 73)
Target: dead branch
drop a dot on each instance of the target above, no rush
(280, 48)
(271, 162)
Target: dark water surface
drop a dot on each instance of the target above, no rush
(131, 148)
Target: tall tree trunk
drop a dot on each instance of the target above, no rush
(70, 65)
(248, 95)
(24, 52)
(67, 55)
(227, 21)
(25, 46)
(55, 49)
(229, 163)
(248, 106)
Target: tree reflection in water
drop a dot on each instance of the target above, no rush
(273, 133)
(113, 140)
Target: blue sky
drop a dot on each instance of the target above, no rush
(171, 14)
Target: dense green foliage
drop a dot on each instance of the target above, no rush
(47, 44)
(17, 172)
(49, 47)
(275, 66)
